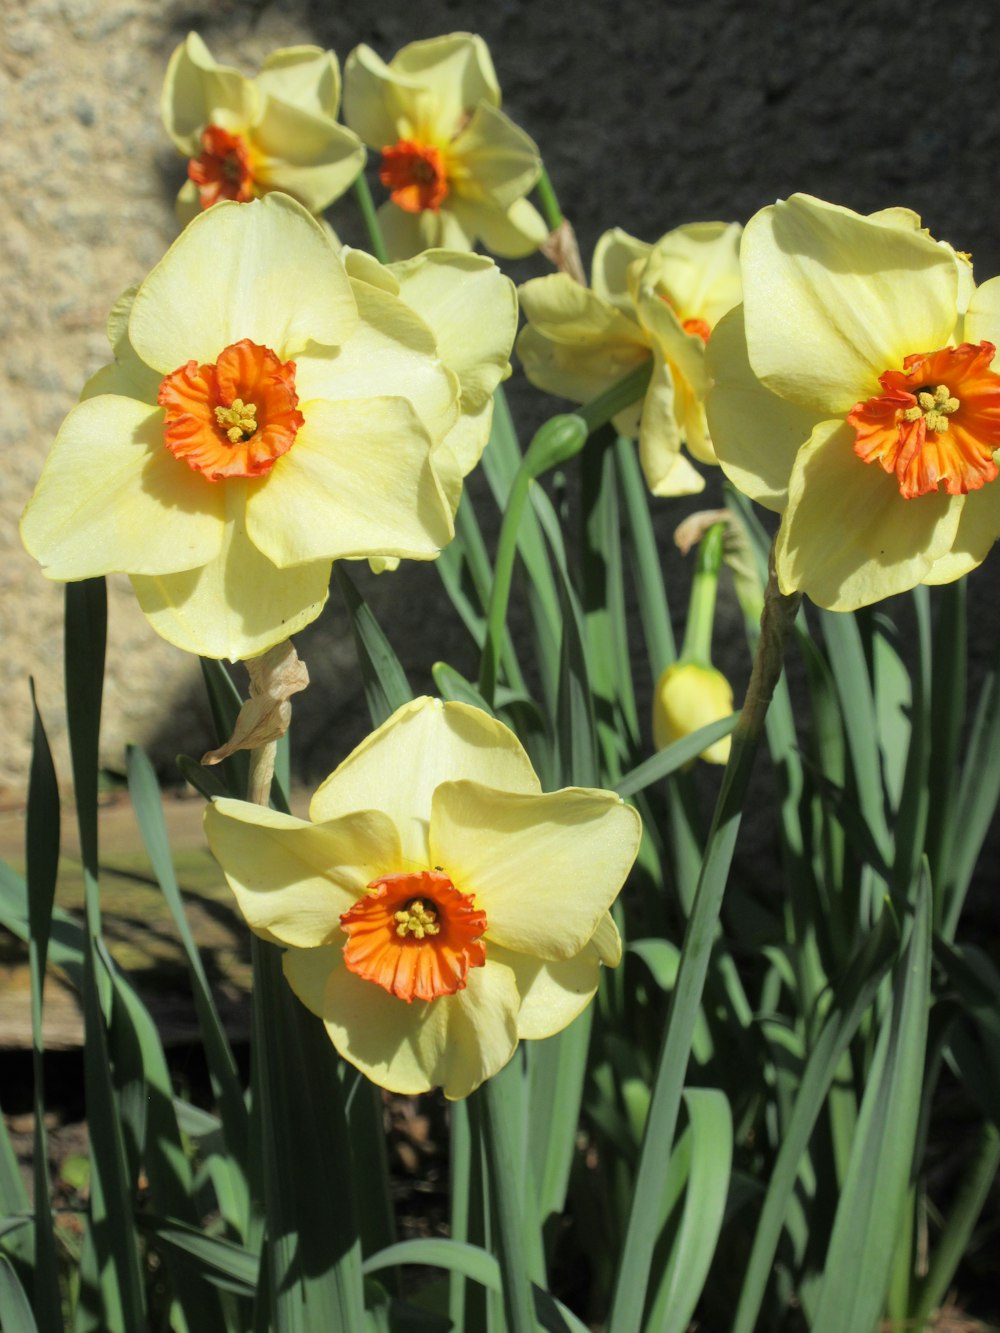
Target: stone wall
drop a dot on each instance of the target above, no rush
(649, 114)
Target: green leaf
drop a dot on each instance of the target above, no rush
(675, 756)
(385, 684)
(15, 1312)
(858, 1262)
(456, 1257)
(230, 1266)
(705, 1195)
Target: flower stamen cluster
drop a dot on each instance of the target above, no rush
(238, 421)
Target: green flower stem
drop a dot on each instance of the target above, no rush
(549, 202)
(505, 1174)
(697, 646)
(363, 194)
(554, 443)
(661, 1125)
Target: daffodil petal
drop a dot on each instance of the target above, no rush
(833, 299)
(492, 158)
(697, 267)
(982, 319)
(511, 232)
(291, 879)
(552, 993)
(239, 604)
(407, 234)
(357, 482)
(978, 529)
(848, 538)
(423, 744)
(393, 350)
(579, 371)
(666, 471)
(560, 309)
(614, 254)
(471, 307)
(454, 1042)
(460, 450)
(309, 157)
(304, 76)
(374, 103)
(544, 867)
(198, 92)
(112, 498)
(264, 270)
(755, 433)
(455, 69)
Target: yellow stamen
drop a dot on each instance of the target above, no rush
(935, 408)
(417, 920)
(238, 421)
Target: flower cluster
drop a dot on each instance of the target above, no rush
(437, 907)
(244, 137)
(271, 410)
(456, 167)
(854, 393)
(659, 300)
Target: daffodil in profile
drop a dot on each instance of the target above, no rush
(246, 136)
(456, 167)
(438, 906)
(856, 393)
(645, 302)
(265, 415)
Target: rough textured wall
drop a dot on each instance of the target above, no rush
(648, 114)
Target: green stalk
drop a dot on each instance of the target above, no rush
(641, 1237)
(697, 645)
(363, 194)
(506, 1173)
(550, 204)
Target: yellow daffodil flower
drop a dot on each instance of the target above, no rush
(267, 414)
(243, 137)
(439, 907)
(456, 167)
(662, 300)
(689, 696)
(855, 394)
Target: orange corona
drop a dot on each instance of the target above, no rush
(415, 175)
(937, 421)
(222, 170)
(233, 418)
(414, 935)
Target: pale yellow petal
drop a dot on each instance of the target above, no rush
(471, 308)
(454, 1042)
(358, 481)
(492, 159)
(239, 604)
(423, 744)
(460, 450)
(511, 232)
(579, 371)
(666, 471)
(607, 941)
(848, 538)
(697, 268)
(833, 299)
(978, 529)
(614, 253)
(982, 319)
(364, 267)
(391, 353)
(292, 879)
(561, 310)
(552, 993)
(407, 234)
(544, 867)
(310, 157)
(198, 92)
(456, 70)
(113, 499)
(756, 435)
(265, 270)
(304, 76)
(375, 105)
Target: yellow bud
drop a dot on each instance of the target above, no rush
(689, 696)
